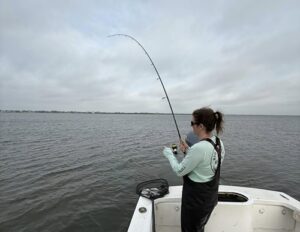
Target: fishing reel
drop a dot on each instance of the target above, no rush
(174, 149)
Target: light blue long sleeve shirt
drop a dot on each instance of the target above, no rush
(199, 163)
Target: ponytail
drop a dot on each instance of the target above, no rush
(219, 122)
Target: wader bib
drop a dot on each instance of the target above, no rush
(199, 199)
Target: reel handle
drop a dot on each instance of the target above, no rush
(174, 149)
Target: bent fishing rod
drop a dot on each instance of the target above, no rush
(159, 78)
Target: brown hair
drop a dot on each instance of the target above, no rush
(210, 119)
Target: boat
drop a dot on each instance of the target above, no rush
(239, 209)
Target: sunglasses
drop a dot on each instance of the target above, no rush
(194, 123)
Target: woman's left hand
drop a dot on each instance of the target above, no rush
(167, 151)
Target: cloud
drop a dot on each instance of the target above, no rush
(240, 57)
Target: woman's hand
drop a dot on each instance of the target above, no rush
(167, 152)
(183, 146)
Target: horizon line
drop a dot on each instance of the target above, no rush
(119, 112)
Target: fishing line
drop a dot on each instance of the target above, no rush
(159, 78)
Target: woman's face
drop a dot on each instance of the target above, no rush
(194, 126)
(198, 129)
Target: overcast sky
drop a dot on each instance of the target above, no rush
(240, 57)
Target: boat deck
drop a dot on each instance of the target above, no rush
(249, 210)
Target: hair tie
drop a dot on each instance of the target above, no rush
(216, 115)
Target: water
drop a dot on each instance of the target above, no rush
(78, 172)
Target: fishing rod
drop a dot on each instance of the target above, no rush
(128, 36)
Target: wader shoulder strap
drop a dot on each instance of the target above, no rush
(217, 147)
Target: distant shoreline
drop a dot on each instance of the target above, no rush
(77, 112)
(142, 113)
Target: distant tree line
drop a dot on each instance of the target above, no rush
(72, 112)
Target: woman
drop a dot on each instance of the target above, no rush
(200, 169)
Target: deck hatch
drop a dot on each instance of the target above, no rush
(231, 197)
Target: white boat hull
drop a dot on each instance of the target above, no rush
(262, 211)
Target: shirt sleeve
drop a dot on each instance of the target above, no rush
(189, 162)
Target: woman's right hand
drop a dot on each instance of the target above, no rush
(183, 146)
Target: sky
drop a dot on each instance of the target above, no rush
(238, 57)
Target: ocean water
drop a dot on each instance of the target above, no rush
(78, 172)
